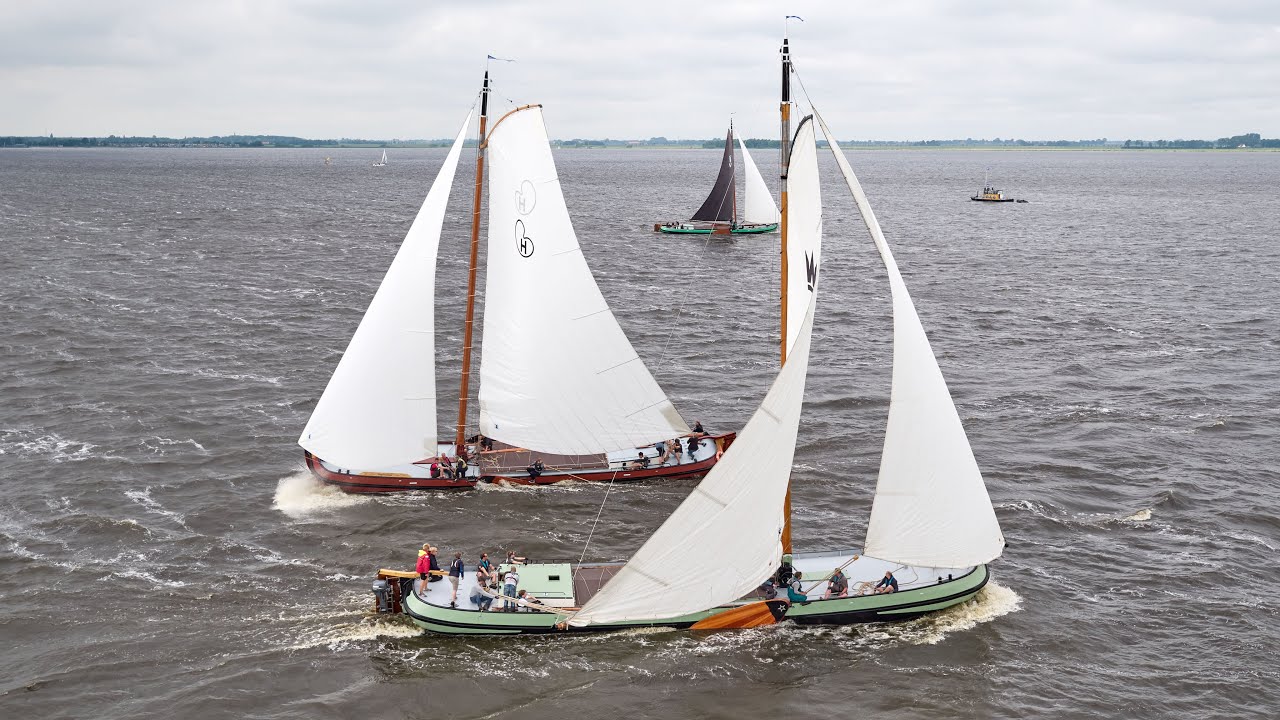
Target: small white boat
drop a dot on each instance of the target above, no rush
(382, 161)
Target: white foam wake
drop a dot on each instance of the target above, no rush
(991, 602)
(301, 494)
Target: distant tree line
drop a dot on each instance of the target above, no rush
(225, 141)
(1248, 140)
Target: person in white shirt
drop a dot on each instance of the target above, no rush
(509, 583)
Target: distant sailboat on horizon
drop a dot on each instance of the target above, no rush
(382, 162)
(719, 212)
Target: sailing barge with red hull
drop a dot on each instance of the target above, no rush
(511, 465)
(558, 380)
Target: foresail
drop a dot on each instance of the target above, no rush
(758, 207)
(804, 228)
(931, 507)
(557, 374)
(718, 206)
(379, 409)
(725, 538)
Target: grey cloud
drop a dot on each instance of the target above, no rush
(906, 70)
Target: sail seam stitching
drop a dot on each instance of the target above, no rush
(710, 497)
(615, 367)
(591, 314)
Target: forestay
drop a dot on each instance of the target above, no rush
(557, 374)
(379, 409)
(931, 507)
(804, 228)
(758, 207)
(718, 206)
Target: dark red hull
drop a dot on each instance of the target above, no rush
(374, 483)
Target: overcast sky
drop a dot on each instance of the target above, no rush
(901, 70)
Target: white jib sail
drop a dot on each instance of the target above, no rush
(804, 228)
(758, 205)
(931, 507)
(726, 537)
(557, 374)
(379, 409)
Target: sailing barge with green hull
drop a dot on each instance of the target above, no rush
(562, 587)
(719, 558)
(719, 212)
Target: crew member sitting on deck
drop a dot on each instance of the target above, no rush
(484, 568)
(694, 444)
(460, 470)
(837, 586)
(536, 469)
(889, 584)
(697, 428)
(677, 449)
(526, 597)
(513, 559)
(640, 462)
(481, 596)
(795, 592)
(782, 576)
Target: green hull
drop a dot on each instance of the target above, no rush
(891, 607)
(743, 230)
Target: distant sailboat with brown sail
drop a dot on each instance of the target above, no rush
(719, 212)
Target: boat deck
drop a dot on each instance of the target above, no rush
(506, 459)
(587, 579)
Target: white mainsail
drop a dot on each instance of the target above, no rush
(758, 207)
(804, 227)
(557, 374)
(931, 507)
(379, 409)
(725, 538)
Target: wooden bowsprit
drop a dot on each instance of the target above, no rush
(764, 612)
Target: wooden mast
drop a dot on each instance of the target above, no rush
(734, 221)
(460, 438)
(785, 160)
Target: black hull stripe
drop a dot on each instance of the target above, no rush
(891, 614)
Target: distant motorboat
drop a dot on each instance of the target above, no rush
(990, 194)
(382, 161)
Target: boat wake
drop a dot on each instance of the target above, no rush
(991, 602)
(300, 495)
(344, 634)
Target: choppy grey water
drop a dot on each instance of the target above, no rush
(168, 319)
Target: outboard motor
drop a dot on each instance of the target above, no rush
(382, 600)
